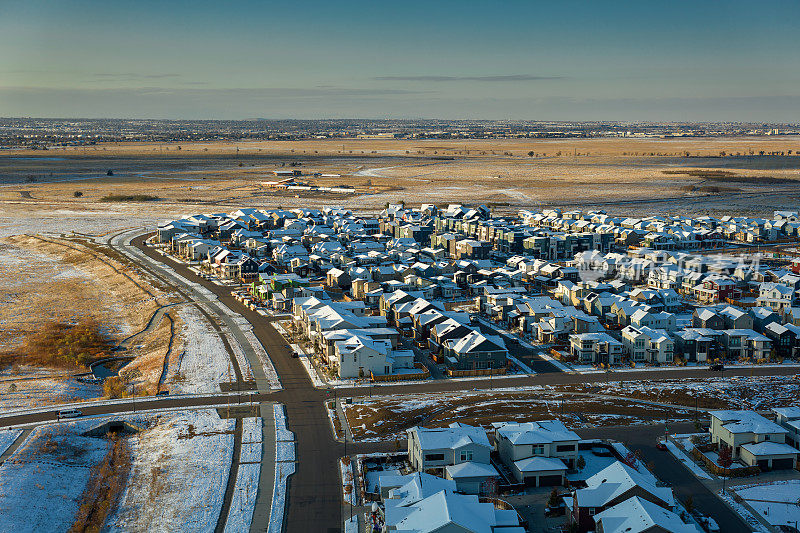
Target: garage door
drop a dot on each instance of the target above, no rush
(782, 464)
(530, 481)
(549, 481)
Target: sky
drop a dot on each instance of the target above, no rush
(615, 60)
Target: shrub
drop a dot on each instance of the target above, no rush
(65, 345)
(77, 194)
(114, 387)
(129, 198)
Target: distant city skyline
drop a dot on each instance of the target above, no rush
(618, 61)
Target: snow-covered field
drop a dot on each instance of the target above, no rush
(778, 502)
(88, 221)
(179, 473)
(42, 482)
(386, 418)
(44, 390)
(205, 362)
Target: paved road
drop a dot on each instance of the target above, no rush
(672, 471)
(314, 499)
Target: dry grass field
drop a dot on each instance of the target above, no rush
(608, 173)
(46, 281)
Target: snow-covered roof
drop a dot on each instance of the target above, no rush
(614, 481)
(471, 469)
(455, 436)
(543, 432)
(637, 515)
(769, 448)
(540, 464)
(745, 422)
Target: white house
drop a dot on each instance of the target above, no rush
(644, 344)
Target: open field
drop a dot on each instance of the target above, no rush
(388, 418)
(588, 405)
(561, 172)
(45, 281)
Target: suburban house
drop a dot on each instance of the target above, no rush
(638, 515)
(753, 440)
(537, 453)
(611, 486)
(596, 348)
(475, 351)
(439, 447)
(648, 345)
(789, 419)
(361, 355)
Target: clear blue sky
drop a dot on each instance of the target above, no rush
(565, 60)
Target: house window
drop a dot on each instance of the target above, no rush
(537, 449)
(591, 511)
(434, 457)
(466, 456)
(565, 448)
(766, 437)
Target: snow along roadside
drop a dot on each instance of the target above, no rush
(284, 467)
(201, 295)
(240, 514)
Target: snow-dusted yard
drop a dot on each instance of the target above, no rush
(778, 502)
(179, 473)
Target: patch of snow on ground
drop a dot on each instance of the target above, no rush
(179, 474)
(686, 460)
(776, 502)
(240, 514)
(746, 515)
(45, 391)
(594, 464)
(348, 481)
(7, 438)
(283, 469)
(42, 482)
(205, 362)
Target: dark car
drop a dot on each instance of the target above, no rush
(162, 393)
(295, 354)
(717, 367)
(661, 445)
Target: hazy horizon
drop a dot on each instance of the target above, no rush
(574, 61)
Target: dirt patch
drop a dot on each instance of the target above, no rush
(388, 418)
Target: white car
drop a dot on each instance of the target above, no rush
(69, 413)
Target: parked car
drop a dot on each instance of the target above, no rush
(69, 413)
(661, 445)
(717, 367)
(295, 355)
(162, 393)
